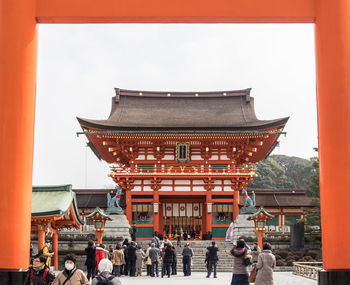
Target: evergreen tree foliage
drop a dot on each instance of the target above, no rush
(313, 216)
(282, 172)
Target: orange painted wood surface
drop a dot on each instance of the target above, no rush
(179, 11)
(333, 101)
(18, 58)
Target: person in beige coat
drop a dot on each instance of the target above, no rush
(117, 260)
(148, 259)
(75, 276)
(266, 264)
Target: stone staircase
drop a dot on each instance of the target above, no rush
(225, 263)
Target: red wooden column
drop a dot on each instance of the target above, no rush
(156, 214)
(18, 57)
(332, 33)
(128, 208)
(235, 204)
(41, 236)
(55, 248)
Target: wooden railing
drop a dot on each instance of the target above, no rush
(191, 169)
(307, 269)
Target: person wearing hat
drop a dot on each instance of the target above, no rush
(105, 268)
(45, 251)
(71, 275)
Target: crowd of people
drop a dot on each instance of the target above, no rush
(105, 266)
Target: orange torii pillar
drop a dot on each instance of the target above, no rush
(18, 56)
(332, 34)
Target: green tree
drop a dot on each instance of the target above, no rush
(313, 215)
(271, 175)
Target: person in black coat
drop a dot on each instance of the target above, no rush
(168, 259)
(90, 262)
(131, 254)
(212, 259)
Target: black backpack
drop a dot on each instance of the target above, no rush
(101, 280)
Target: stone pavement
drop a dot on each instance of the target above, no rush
(224, 278)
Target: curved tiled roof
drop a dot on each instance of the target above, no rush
(54, 201)
(223, 110)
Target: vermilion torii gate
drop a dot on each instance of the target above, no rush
(18, 55)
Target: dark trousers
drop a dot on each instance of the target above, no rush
(174, 268)
(166, 268)
(132, 267)
(239, 279)
(186, 260)
(149, 269)
(125, 270)
(91, 271)
(116, 270)
(211, 265)
(154, 268)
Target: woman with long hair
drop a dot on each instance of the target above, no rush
(240, 271)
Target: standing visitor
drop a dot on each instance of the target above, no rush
(167, 260)
(90, 262)
(187, 254)
(148, 260)
(185, 235)
(140, 255)
(174, 264)
(105, 277)
(39, 273)
(71, 275)
(117, 260)
(156, 240)
(45, 251)
(154, 254)
(126, 242)
(212, 259)
(131, 252)
(100, 253)
(110, 251)
(124, 267)
(266, 264)
(133, 231)
(240, 272)
(178, 236)
(31, 254)
(255, 251)
(164, 243)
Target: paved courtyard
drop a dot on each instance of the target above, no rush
(281, 278)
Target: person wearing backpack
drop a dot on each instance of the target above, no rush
(39, 274)
(71, 275)
(105, 277)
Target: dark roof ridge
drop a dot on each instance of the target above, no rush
(182, 94)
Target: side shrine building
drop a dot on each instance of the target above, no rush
(180, 156)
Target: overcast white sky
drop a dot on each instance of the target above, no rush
(80, 65)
